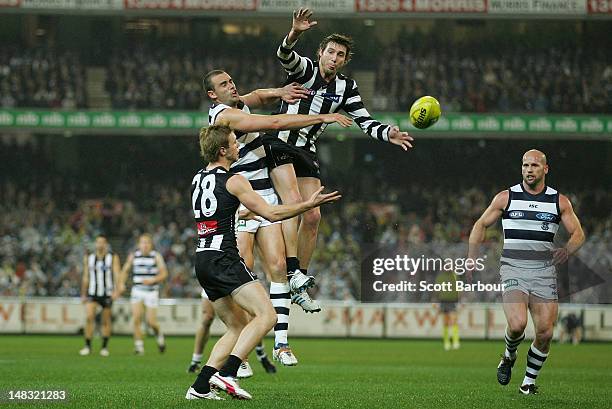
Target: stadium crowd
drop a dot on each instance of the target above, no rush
(42, 77)
(43, 238)
(502, 74)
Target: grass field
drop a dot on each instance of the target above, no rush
(331, 374)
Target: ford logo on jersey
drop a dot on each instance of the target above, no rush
(326, 95)
(545, 216)
(516, 214)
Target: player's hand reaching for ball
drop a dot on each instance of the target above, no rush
(400, 138)
(293, 93)
(301, 23)
(318, 198)
(343, 121)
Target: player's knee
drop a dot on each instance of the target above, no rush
(544, 336)
(207, 318)
(90, 318)
(291, 196)
(516, 326)
(312, 218)
(278, 267)
(269, 317)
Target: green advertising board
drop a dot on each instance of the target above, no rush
(188, 122)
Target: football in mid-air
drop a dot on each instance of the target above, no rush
(425, 112)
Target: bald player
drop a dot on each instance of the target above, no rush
(531, 213)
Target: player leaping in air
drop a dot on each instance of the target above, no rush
(292, 154)
(231, 109)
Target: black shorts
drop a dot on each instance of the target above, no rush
(221, 273)
(305, 163)
(104, 301)
(448, 306)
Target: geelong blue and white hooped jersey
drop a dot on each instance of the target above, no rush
(251, 161)
(214, 209)
(530, 223)
(144, 267)
(340, 93)
(101, 280)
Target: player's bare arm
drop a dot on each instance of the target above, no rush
(163, 272)
(85, 280)
(116, 276)
(261, 97)
(239, 120)
(124, 273)
(239, 186)
(301, 23)
(490, 216)
(572, 225)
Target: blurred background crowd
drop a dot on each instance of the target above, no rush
(48, 218)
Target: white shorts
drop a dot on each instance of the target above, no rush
(204, 295)
(149, 297)
(251, 226)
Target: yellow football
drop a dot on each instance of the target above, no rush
(425, 112)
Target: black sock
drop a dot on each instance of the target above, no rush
(304, 271)
(88, 342)
(231, 366)
(201, 384)
(104, 342)
(292, 264)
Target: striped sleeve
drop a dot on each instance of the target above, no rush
(354, 107)
(297, 67)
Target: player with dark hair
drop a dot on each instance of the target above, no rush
(231, 286)
(292, 154)
(99, 287)
(531, 213)
(231, 109)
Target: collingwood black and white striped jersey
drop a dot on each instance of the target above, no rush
(214, 209)
(251, 162)
(340, 93)
(144, 267)
(530, 223)
(101, 280)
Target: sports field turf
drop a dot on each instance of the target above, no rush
(332, 374)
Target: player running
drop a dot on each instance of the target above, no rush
(148, 272)
(100, 275)
(531, 212)
(229, 283)
(292, 154)
(231, 109)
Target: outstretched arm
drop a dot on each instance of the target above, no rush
(573, 227)
(260, 97)
(241, 188)
(239, 120)
(377, 130)
(294, 64)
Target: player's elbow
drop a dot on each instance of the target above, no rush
(275, 124)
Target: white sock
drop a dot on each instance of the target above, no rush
(196, 358)
(535, 361)
(139, 344)
(281, 300)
